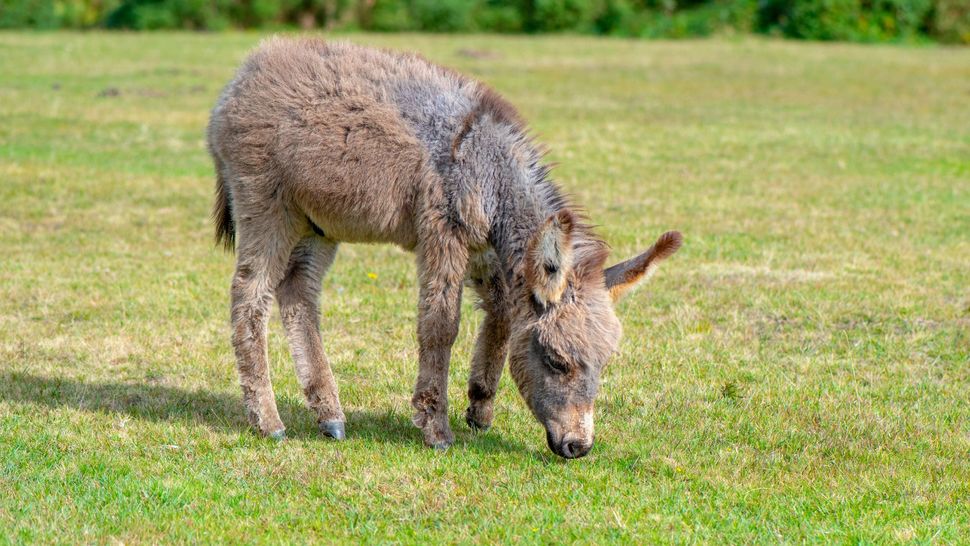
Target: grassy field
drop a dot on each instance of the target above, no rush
(797, 373)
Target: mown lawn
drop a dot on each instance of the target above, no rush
(797, 373)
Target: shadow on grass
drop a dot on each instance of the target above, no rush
(218, 411)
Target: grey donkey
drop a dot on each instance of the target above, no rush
(317, 143)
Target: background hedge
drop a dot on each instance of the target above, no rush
(854, 20)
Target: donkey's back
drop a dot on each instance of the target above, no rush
(343, 135)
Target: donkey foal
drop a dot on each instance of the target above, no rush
(318, 143)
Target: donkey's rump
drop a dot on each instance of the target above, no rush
(312, 118)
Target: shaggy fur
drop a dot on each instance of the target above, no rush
(318, 143)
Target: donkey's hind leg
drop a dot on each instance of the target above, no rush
(298, 296)
(265, 241)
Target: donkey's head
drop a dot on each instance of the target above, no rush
(566, 330)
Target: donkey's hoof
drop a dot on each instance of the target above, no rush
(475, 425)
(278, 435)
(441, 446)
(333, 429)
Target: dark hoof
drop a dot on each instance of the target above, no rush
(333, 429)
(441, 446)
(475, 425)
(278, 435)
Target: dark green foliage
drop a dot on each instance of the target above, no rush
(823, 19)
(554, 15)
(388, 15)
(616, 17)
(499, 16)
(442, 15)
(161, 14)
(854, 20)
(51, 14)
(951, 21)
(219, 14)
(621, 17)
(27, 13)
(716, 17)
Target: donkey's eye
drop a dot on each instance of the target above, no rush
(554, 363)
(549, 359)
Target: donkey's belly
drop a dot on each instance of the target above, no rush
(365, 225)
(361, 203)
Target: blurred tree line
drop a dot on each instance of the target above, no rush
(853, 20)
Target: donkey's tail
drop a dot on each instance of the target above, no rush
(222, 212)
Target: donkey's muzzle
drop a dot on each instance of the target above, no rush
(567, 447)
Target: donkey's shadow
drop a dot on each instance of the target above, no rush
(218, 411)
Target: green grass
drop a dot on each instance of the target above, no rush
(797, 373)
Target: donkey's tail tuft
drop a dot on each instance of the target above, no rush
(222, 214)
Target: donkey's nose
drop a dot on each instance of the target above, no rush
(574, 449)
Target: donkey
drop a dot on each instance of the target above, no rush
(317, 143)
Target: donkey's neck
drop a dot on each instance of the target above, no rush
(523, 201)
(518, 195)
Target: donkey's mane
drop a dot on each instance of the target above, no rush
(488, 102)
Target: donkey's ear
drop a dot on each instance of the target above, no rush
(549, 257)
(624, 276)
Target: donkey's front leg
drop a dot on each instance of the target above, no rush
(441, 267)
(491, 348)
(487, 363)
